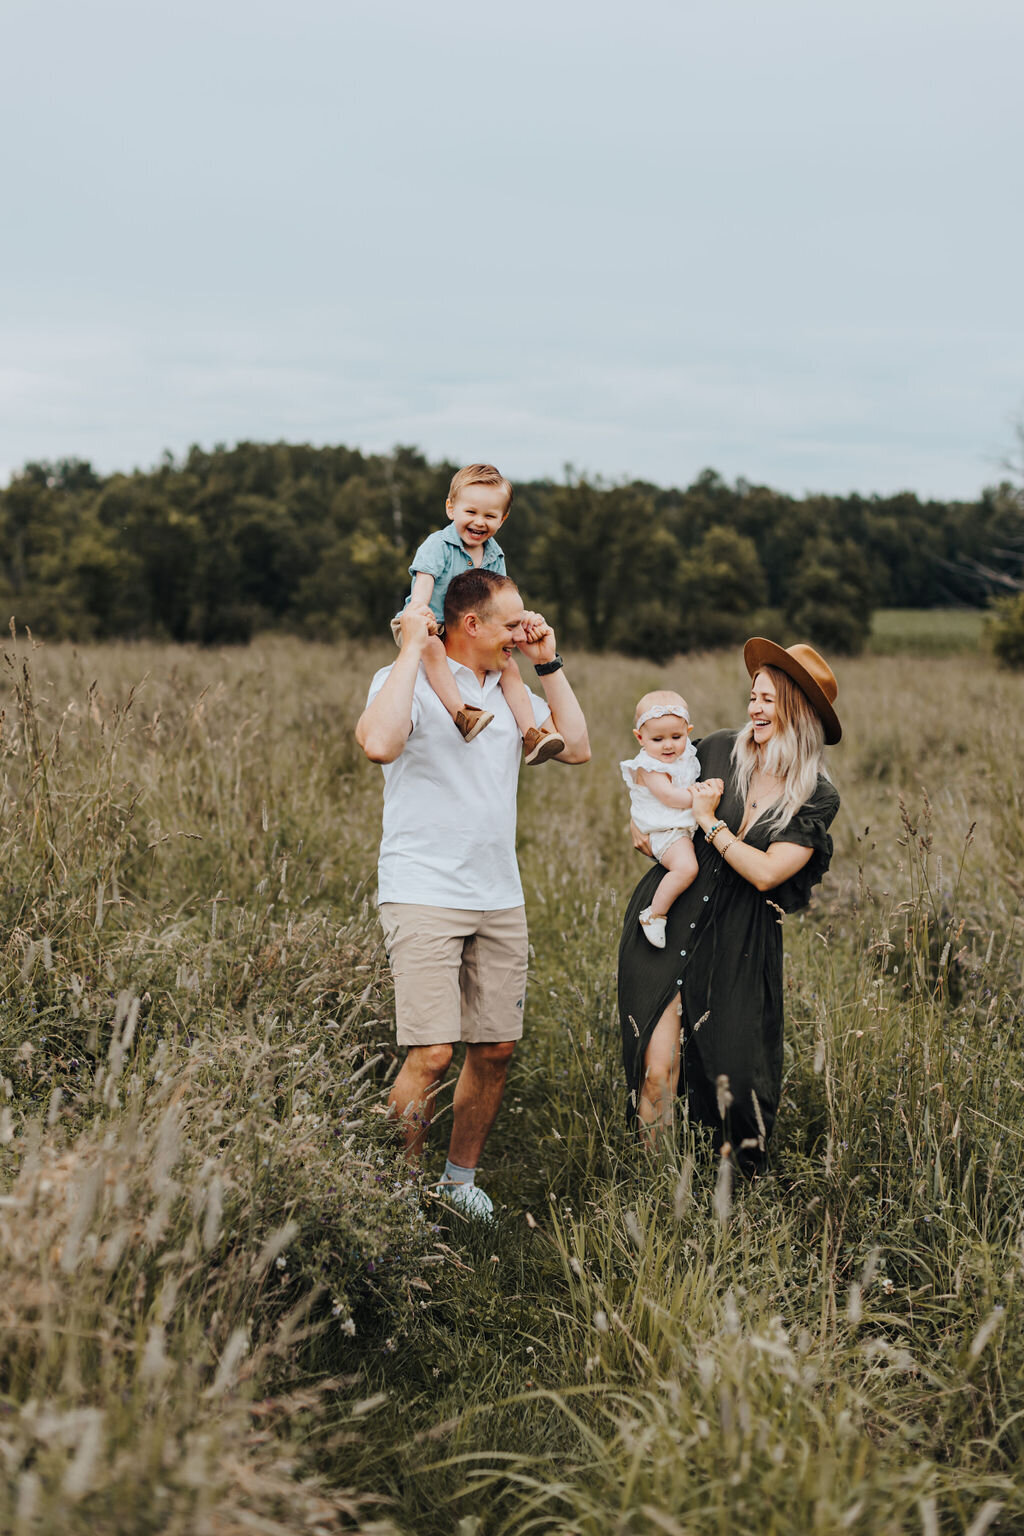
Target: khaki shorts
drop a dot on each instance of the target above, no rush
(458, 975)
(396, 630)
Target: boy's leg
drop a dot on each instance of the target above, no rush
(539, 741)
(469, 718)
(680, 863)
(516, 696)
(439, 676)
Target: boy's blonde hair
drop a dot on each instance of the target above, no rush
(479, 474)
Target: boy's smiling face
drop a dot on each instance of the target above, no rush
(478, 511)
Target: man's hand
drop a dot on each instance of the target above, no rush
(417, 624)
(539, 645)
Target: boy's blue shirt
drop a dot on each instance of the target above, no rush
(443, 556)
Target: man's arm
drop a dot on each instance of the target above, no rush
(384, 725)
(565, 710)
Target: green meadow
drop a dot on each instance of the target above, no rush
(224, 1308)
(926, 631)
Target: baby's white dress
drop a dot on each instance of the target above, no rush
(664, 824)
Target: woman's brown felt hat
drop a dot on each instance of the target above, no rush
(811, 673)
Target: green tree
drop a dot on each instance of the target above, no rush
(721, 583)
(829, 599)
(1006, 631)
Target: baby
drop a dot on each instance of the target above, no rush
(478, 503)
(660, 780)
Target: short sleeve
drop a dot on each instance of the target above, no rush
(432, 557)
(687, 769)
(494, 558)
(808, 829)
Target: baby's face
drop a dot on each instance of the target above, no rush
(665, 737)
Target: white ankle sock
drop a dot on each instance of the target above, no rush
(453, 1174)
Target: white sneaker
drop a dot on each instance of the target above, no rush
(653, 928)
(469, 1198)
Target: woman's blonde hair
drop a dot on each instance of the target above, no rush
(795, 754)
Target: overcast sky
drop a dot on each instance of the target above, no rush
(778, 237)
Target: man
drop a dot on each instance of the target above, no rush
(451, 901)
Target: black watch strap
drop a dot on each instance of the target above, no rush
(547, 667)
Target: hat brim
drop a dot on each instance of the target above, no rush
(758, 653)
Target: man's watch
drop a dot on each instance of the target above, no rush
(546, 668)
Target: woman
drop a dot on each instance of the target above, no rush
(763, 806)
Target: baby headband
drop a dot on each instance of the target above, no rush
(658, 711)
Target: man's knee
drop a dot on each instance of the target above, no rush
(493, 1053)
(432, 1061)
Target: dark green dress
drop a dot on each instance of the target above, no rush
(723, 955)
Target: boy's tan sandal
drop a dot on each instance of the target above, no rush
(471, 720)
(540, 743)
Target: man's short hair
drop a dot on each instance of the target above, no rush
(472, 592)
(479, 474)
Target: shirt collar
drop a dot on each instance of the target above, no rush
(460, 666)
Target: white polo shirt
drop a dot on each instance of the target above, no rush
(449, 833)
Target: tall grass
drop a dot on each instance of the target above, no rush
(227, 1309)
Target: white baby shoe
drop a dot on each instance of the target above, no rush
(653, 928)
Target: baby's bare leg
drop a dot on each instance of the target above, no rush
(439, 676)
(680, 862)
(516, 696)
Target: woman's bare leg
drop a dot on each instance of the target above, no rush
(656, 1105)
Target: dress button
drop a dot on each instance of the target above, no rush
(679, 981)
(683, 953)
(705, 898)
(693, 925)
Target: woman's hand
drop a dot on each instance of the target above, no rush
(706, 795)
(641, 842)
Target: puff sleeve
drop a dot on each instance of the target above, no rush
(808, 829)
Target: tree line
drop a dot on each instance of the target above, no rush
(221, 544)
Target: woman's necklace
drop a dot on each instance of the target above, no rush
(768, 780)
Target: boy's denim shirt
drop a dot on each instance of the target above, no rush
(443, 556)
